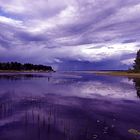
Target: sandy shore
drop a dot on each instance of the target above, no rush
(117, 73)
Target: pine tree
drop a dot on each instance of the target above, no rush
(137, 62)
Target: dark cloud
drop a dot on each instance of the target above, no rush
(129, 41)
(86, 65)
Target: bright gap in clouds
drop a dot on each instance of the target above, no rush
(66, 33)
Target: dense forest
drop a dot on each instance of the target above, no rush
(24, 67)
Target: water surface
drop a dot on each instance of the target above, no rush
(68, 106)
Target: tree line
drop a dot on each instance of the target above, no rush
(24, 67)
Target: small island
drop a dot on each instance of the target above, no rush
(27, 67)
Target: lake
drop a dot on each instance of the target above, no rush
(69, 106)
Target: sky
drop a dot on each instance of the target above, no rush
(70, 34)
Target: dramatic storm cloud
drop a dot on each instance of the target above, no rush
(70, 34)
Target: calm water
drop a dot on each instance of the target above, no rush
(69, 106)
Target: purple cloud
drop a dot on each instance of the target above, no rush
(64, 31)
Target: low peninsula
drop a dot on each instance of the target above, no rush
(27, 67)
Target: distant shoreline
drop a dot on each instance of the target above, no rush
(117, 73)
(108, 73)
(26, 67)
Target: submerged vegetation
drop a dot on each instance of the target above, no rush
(15, 66)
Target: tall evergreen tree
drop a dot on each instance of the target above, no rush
(137, 62)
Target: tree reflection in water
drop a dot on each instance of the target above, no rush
(137, 85)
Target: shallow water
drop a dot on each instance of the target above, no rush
(69, 106)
